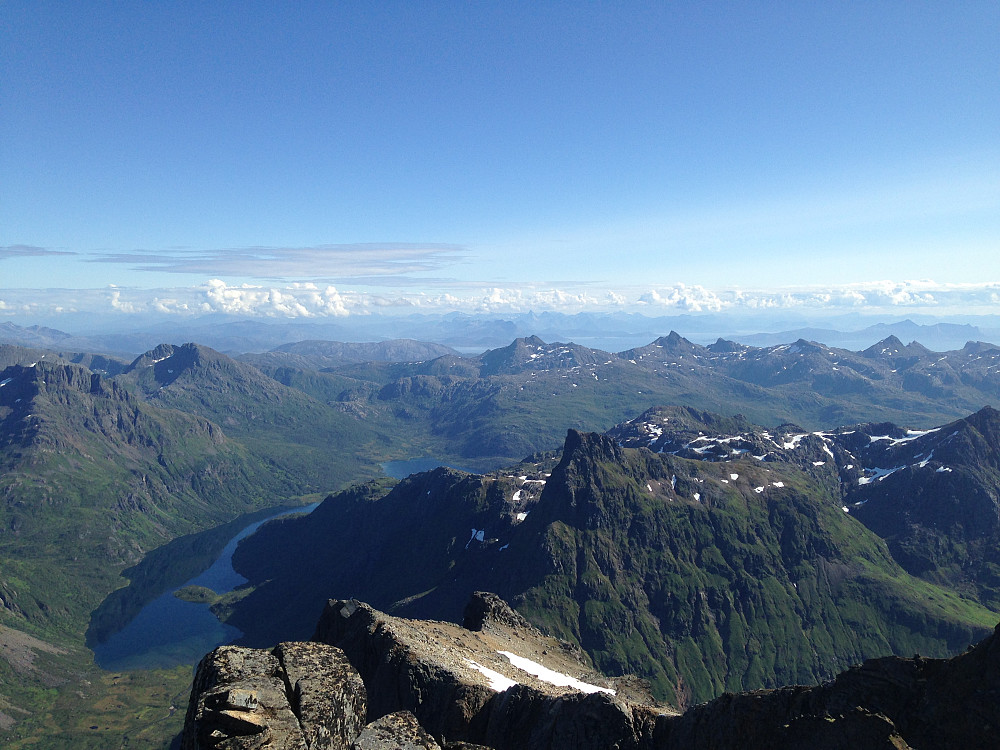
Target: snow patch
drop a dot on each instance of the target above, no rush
(911, 435)
(497, 681)
(793, 443)
(878, 474)
(552, 677)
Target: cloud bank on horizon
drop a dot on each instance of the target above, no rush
(311, 300)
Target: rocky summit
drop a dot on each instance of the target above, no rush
(369, 681)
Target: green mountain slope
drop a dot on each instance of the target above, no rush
(91, 478)
(320, 447)
(700, 576)
(931, 494)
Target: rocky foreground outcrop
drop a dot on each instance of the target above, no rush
(370, 681)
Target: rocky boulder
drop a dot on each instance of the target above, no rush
(300, 696)
(398, 731)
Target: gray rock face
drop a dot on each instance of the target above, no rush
(301, 696)
(485, 609)
(326, 693)
(398, 731)
(239, 702)
(402, 669)
(522, 717)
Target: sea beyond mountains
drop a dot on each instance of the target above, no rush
(708, 515)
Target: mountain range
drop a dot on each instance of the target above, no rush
(507, 403)
(475, 333)
(104, 460)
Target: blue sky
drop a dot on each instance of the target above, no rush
(324, 159)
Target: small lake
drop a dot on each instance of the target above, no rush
(403, 469)
(169, 632)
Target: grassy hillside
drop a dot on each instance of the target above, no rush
(320, 448)
(92, 478)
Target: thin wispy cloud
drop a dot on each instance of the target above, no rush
(321, 262)
(29, 251)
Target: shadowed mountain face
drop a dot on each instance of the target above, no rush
(702, 576)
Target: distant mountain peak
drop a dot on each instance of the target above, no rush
(675, 341)
(724, 345)
(891, 347)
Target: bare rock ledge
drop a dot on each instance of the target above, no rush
(370, 681)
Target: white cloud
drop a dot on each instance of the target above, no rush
(121, 305)
(923, 295)
(311, 300)
(169, 306)
(687, 299)
(294, 301)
